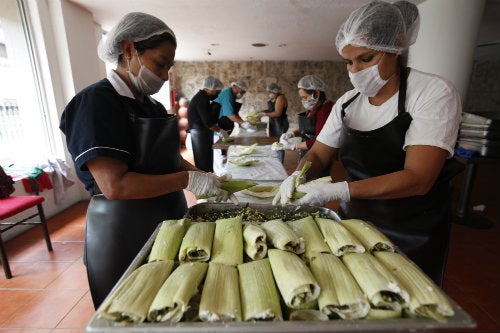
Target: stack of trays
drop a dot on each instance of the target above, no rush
(480, 132)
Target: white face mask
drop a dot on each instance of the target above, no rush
(146, 82)
(368, 81)
(239, 95)
(272, 95)
(310, 103)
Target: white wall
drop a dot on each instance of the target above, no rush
(447, 38)
(66, 44)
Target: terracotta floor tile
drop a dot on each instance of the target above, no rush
(80, 315)
(13, 300)
(75, 277)
(68, 233)
(65, 330)
(45, 310)
(36, 275)
(33, 252)
(22, 330)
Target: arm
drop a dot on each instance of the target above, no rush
(116, 182)
(236, 119)
(422, 167)
(320, 156)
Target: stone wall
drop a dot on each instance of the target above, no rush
(483, 95)
(484, 88)
(188, 78)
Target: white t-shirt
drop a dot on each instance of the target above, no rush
(433, 103)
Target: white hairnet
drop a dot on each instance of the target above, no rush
(135, 27)
(273, 87)
(240, 84)
(379, 26)
(212, 83)
(311, 82)
(411, 19)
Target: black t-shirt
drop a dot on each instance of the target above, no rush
(200, 114)
(97, 122)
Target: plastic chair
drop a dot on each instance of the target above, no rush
(12, 206)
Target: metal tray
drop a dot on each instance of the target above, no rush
(483, 147)
(481, 118)
(479, 134)
(459, 321)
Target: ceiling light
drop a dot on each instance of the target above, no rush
(259, 44)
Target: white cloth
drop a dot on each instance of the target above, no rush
(62, 178)
(432, 101)
(266, 169)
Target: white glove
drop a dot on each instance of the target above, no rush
(245, 124)
(317, 194)
(287, 145)
(286, 136)
(262, 114)
(223, 133)
(204, 184)
(284, 195)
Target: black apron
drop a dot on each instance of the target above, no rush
(418, 225)
(277, 126)
(117, 229)
(202, 141)
(307, 127)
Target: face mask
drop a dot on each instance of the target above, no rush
(272, 95)
(146, 82)
(239, 95)
(368, 81)
(310, 103)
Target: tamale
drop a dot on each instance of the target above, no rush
(339, 239)
(168, 240)
(283, 237)
(371, 238)
(254, 238)
(228, 241)
(197, 242)
(307, 229)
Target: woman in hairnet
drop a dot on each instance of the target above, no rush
(126, 150)
(395, 133)
(276, 111)
(203, 123)
(318, 107)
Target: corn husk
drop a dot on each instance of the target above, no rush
(338, 238)
(341, 296)
(307, 229)
(243, 150)
(172, 300)
(259, 296)
(426, 299)
(220, 298)
(261, 191)
(168, 240)
(254, 238)
(295, 281)
(380, 286)
(130, 301)
(283, 237)
(384, 314)
(233, 186)
(228, 241)
(197, 242)
(371, 238)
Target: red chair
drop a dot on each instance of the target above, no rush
(13, 205)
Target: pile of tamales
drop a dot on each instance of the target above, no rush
(311, 268)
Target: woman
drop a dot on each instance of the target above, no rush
(203, 123)
(318, 108)
(395, 133)
(126, 150)
(276, 111)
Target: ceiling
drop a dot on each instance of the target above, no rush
(224, 30)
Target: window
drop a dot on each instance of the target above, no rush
(24, 135)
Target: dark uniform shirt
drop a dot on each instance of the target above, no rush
(200, 115)
(96, 123)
